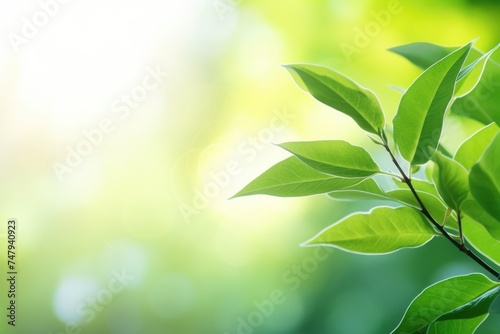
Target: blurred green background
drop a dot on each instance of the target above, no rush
(126, 126)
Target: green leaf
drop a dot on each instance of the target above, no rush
(481, 109)
(335, 157)
(429, 170)
(484, 180)
(471, 149)
(414, 169)
(444, 151)
(380, 231)
(472, 209)
(482, 102)
(419, 120)
(441, 298)
(291, 177)
(476, 307)
(481, 239)
(422, 54)
(341, 93)
(451, 180)
(434, 205)
(473, 312)
(470, 75)
(457, 326)
(368, 189)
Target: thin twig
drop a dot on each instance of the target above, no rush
(459, 222)
(460, 245)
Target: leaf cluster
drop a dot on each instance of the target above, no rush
(457, 196)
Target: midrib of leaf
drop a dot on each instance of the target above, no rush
(429, 120)
(413, 131)
(385, 227)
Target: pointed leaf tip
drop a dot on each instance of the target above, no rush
(292, 178)
(419, 120)
(340, 93)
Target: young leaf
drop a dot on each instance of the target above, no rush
(451, 181)
(291, 177)
(441, 298)
(368, 189)
(422, 54)
(471, 149)
(335, 157)
(419, 120)
(484, 180)
(382, 230)
(476, 309)
(340, 93)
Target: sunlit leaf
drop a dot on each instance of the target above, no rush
(419, 120)
(382, 230)
(341, 93)
(442, 298)
(335, 157)
(451, 180)
(472, 148)
(484, 179)
(291, 177)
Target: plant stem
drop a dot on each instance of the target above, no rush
(460, 245)
(459, 222)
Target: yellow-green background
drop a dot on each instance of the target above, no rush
(128, 206)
